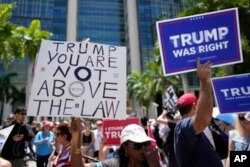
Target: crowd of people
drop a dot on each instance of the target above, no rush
(190, 137)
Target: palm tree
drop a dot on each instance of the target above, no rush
(6, 89)
(30, 39)
(8, 46)
(19, 42)
(144, 87)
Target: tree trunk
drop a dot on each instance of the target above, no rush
(31, 69)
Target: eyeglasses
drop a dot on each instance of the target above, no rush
(138, 146)
(23, 113)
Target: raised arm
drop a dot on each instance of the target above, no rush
(76, 131)
(162, 119)
(204, 108)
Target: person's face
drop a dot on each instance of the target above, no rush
(21, 116)
(10, 119)
(59, 137)
(99, 127)
(46, 128)
(135, 150)
(88, 128)
(244, 122)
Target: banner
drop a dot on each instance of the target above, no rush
(79, 79)
(4, 134)
(213, 36)
(112, 129)
(232, 93)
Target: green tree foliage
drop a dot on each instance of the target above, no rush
(18, 42)
(7, 90)
(243, 6)
(29, 38)
(8, 45)
(144, 86)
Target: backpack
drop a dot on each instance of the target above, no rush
(220, 139)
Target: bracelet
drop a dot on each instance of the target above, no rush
(77, 151)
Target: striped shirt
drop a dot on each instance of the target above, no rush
(63, 159)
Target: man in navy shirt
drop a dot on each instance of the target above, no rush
(192, 147)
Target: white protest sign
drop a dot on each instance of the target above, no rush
(79, 79)
(4, 134)
(170, 98)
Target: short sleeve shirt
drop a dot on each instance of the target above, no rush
(193, 150)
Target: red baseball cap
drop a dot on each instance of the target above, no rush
(186, 99)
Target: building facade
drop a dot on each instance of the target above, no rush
(130, 23)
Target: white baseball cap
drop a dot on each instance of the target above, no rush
(134, 133)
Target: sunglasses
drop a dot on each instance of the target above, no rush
(138, 146)
(241, 117)
(58, 134)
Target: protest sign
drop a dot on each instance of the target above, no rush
(170, 99)
(79, 79)
(4, 134)
(232, 93)
(112, 129)
(213, 36)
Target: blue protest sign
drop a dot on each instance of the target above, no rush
(213, 36)
(232, 93)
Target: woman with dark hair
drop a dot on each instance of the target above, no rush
(63, 137)
(135, 149)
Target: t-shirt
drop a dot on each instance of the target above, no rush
(193, 150)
